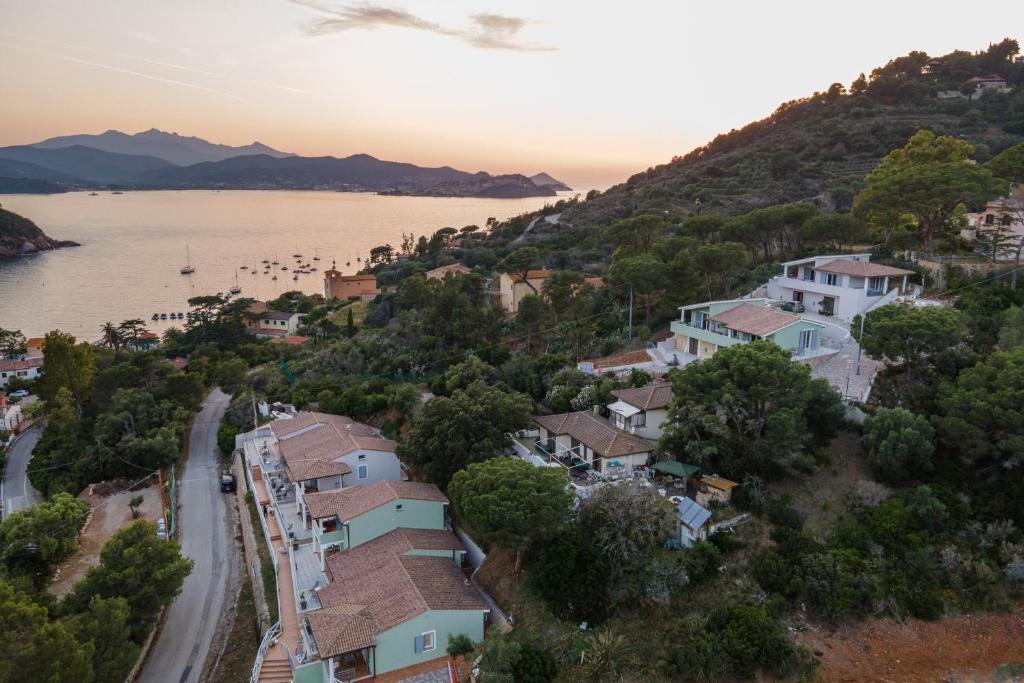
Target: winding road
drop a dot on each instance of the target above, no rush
(207, 537)
(17, 492)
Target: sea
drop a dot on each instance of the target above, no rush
(134, 245)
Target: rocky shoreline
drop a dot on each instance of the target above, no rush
(21, 237)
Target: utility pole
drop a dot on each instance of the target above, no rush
(860, 340)
(631, 313)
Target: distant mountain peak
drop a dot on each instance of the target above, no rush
(545, 180)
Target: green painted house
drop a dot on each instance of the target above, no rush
(392, 602)
(348, 517)
(703, 329)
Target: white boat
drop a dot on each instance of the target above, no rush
(235, 289)
(187, 268)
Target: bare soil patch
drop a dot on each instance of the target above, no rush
(110, 513)
(821, 497)
(961, 649)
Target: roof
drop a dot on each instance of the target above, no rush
(293, 340)
(651, 397)
(378, 582)
(692, 514)
(35, 341)
(351, 502)
(990, 78)
(257, 307)
(861, 268)
(179, 363)
(623, 408)
(720, 483)
(596, 433)
(676, 468)
(441, 271)
(342, 629)
(756, 320)
(594, 281)
(309, 443)
(540, 274)
(278, 315)
(147, 335)
(7, 365)
(335, 275)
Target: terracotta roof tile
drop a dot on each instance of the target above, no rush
(438, 273)
(861, 268)
(351, 502)
(310, 438)
(532, 275)
(652, 397)
(342, 629)
(753, 319)
(8, 365)
(596, 433)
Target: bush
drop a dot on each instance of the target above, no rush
(900, 445)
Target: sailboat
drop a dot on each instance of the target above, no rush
(235, 289)
(187, 268)
(317, 256)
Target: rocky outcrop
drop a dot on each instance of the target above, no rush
(20, 237)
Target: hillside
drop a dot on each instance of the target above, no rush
(819, 148)
(19, 236)
(86, 163)
(177, 149)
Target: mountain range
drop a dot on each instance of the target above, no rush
(155, 159)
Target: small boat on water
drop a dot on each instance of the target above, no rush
(274, 278)
(156, 316)
(266, 260)
(118, 192)
(94, 194)
(188, 268)
(359, 258)
(295, 277)
(284, 267)
(316, 256)
(235, 288)
(163, 316)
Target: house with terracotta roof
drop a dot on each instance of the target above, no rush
(440, 272)
(276, 324)
(987, 83)
(714, 488)
(34, 347)
(26, 369)
(512, 287)
(842, 286)
(392, 603)
(349, 287)
(641, 411)
(347, 518)
(704, 328)
(585, 440)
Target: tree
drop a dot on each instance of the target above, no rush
(104, 631)
(635, 236)
(983, 412)
(32, 648)
(34, 540)
(130, 331)
(382, 254)
(719, 263)
(111, 336)
(750, 409)
(1009, 164)
(134, 504)
(511, 503)
(471, 425)
(520, 262)
(910, 337)
(560, 290)
(12, 343)
(350, 325)
(644, 276)
(627, 524)
(900, 444)
(138, 567)
(930, 178)
(609, 655)
(834, 230)
(571, 576)
(69, 366)
(460, 645)
(1011, 334)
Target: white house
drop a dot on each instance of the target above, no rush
(641, 411)
(592, 440)
(25, 369)
(841, 286)
(693, 521)
(277, 324)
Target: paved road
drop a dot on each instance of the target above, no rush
(206, 536)
(18, 493)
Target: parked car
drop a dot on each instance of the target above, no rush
(227, 482)
(793, 306)
(20, 393)
(161, 529)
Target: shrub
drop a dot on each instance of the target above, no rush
(900, 445)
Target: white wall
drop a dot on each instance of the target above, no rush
(380, 465)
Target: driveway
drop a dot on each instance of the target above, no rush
(206, 536)
(18, 493)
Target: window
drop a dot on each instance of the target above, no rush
(809, 274)
(362, 456)
(425, 642)
(989, 219)
(830, 279)
(399, 507)
(363, 472)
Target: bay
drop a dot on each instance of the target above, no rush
(134, 244)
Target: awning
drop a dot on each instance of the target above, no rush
(623, 408)
(676, 468)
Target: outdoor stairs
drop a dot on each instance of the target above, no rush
(275, 671)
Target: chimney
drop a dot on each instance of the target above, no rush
(597, 409)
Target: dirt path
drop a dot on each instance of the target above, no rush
(982, 647)
(109, 514)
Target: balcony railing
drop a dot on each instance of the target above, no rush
(873, 291)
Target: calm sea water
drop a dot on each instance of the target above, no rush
(134, 244)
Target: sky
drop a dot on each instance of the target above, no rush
(590, 91)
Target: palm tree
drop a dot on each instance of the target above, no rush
(608, 657)
(111, 336)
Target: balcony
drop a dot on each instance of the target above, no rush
(872, 291)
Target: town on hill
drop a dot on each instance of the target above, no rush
(756, 413)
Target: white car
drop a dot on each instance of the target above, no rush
(20, 393)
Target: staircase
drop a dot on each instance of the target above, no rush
(275, 671)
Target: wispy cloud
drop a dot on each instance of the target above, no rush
(485, 31)
(139, 74)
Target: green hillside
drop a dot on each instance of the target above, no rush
(819, 148)
(19, 235)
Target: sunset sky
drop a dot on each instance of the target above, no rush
(590, 91)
